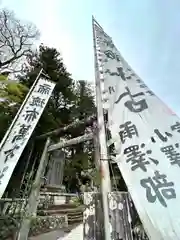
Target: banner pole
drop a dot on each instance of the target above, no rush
(104, 165)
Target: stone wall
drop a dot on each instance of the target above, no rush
(47, 223)
(56, 198)
(40, 224)
(12, 211)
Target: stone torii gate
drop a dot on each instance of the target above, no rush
(118, 202)
(49, 148)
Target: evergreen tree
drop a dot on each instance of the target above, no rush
(58, 110)
(81, 158)
(70, 101)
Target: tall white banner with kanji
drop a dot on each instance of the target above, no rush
(20, 132)
(146, 135)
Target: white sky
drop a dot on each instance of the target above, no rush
(146, 32)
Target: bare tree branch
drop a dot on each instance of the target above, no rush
(16, 38)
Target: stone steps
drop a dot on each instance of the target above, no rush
(43, 224)
(68, 215)
(77, 219)
(62, 206)
(73, 212)
(62, 211)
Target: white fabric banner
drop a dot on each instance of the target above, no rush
(22, 129)
(146, 135)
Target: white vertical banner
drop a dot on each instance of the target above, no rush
(146, 135)
(20, 132)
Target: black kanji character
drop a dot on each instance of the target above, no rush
(128, 77)
(37, 102)
(162, 138)
(139, 81)
(172, 154)
(138, 106)
(176, 127)
(150, 93)
(118, 58)
(109, 43)
(10, 153)
(111, 55)
(44, 89)
(143, 85)
(133, 106)
(31, 115)
(138, 158)
(2, 173)
(128, 131)
(118, 73)
(22, 132)
(159, 188)
(111, 89)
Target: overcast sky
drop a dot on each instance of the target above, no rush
(146, 32)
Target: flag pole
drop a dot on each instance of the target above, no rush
(104, 165)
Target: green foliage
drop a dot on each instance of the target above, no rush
(76, 165)
(6, 115)
(70, 101)
(84, 105)
(3, 77)
(96, 177)
(11, 95)
(14, 92)
(57, 112)
(82, 154)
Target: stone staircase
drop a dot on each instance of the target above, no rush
(57, 211)
(73, 212)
